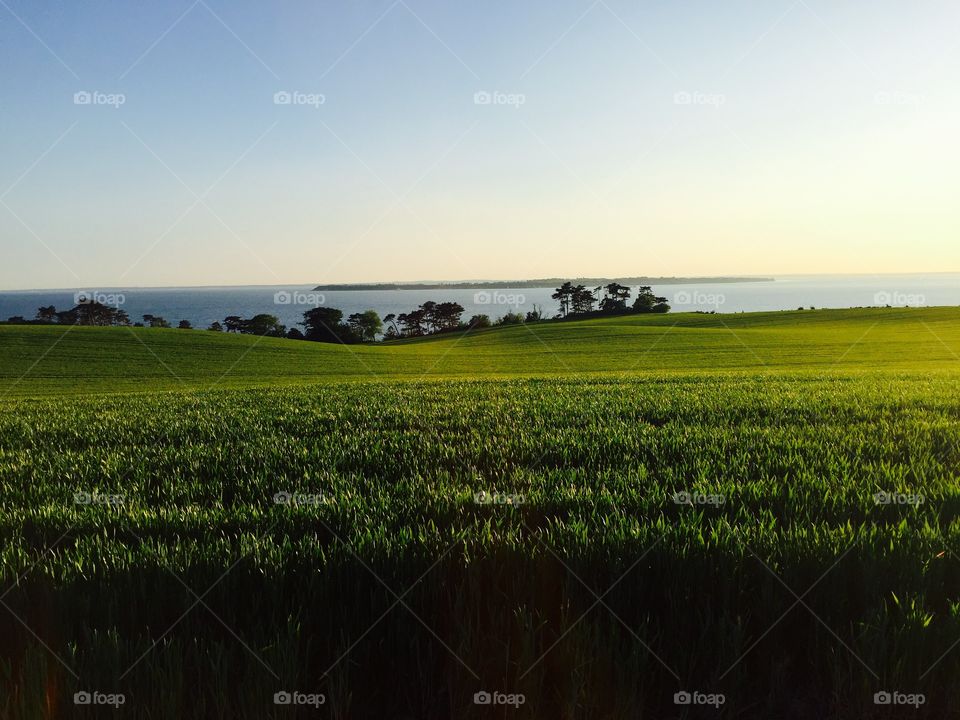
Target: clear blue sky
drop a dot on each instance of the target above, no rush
(619, 138)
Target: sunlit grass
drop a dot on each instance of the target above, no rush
(118, 510)
(55, 360)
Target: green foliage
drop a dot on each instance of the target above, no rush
(366, 325)
(511, 318)
(324, 324)
(154, 321)
(479, 322)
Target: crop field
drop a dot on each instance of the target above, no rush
(51, 360)
(740, 516)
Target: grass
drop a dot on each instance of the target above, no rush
(62, 361)
(389, 589)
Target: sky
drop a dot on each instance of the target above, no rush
(207, 142)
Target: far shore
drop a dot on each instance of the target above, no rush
(541, 283)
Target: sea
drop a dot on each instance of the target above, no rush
(204, 305)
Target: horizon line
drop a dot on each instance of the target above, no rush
(506, 283)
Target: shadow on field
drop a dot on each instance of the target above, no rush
(547, 634)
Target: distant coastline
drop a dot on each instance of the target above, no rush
(540, 283)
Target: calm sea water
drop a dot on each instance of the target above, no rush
(201, 306)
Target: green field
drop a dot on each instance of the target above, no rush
(694, 509)
(94, 360)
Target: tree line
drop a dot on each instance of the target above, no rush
(326, 324)
(611, 299)
(321, 324)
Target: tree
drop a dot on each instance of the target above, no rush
(215, 327)
(391, 318)
(92, 313)
(294, 334)
(447, 316)
(581, 300)
(98, 314)
(323, 324)
(564, 295)
(535, 315)
(67, 317)
(412, 323)
(233, 323)
(615, 298)
(511, 318)
(155, 321)
(429, 316)
(647, 302)
(263, 324)
(479, 321)
(185, 325)
(366, 325)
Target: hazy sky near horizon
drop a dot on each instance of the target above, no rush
(153, 144)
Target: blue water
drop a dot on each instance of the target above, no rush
(201, 306)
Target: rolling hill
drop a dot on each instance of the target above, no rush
(40, 360)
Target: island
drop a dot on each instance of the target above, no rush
(540, 283)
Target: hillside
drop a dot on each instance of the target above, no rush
(342, 520)
(39, 360)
